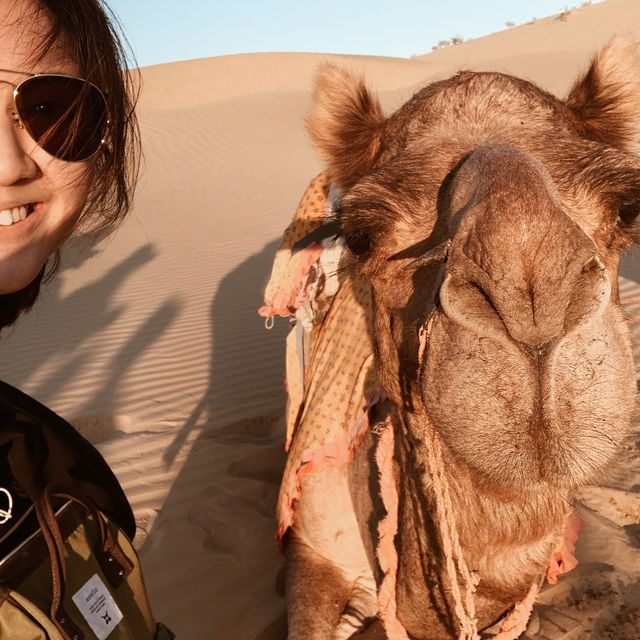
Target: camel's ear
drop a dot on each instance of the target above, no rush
(345, 124)
(606, 100)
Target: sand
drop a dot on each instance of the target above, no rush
(150, 342)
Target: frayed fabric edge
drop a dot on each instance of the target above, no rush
(338, 452)
(387, 530)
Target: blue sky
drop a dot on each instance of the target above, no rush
(168, 31)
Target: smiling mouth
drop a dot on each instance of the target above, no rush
(16, 214)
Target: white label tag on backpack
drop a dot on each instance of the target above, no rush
(97, 607)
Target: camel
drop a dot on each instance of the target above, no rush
(483, 222)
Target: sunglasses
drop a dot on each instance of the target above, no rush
(65, 116)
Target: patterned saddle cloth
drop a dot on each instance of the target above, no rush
(330, 377)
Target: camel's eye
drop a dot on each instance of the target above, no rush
(628, 212)
(358, 242)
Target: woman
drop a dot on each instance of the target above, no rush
(68, 156)
(69, 147)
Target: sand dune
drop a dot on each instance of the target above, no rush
(151, 343)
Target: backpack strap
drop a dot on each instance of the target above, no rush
(111, 558)
(68, 457)
(55, 544)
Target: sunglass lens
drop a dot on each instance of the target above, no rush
(67, 117)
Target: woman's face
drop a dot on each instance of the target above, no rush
(52, 191)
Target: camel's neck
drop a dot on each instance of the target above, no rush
(508, 542)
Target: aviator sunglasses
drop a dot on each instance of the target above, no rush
(65, 116)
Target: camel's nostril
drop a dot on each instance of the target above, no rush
(467, 303)
(532, 311)
(484, 295)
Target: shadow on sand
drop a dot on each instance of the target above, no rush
(60, 325)
(222, 503)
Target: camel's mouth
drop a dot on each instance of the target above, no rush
(517, 420)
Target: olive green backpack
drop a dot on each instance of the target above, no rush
(68, 570)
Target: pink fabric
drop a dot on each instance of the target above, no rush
(334, 453)
(515, 624)
(563, 558)
(293, 289)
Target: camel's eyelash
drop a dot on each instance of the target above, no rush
(328, 229)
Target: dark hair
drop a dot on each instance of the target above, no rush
(88, 33)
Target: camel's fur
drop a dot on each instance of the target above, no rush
(528, 377)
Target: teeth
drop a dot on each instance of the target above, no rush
(9, 216)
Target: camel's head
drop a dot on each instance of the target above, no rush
(499, 212)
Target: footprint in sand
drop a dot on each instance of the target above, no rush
(219, 537)
(101, 427)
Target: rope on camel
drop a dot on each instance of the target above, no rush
(429, 442)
